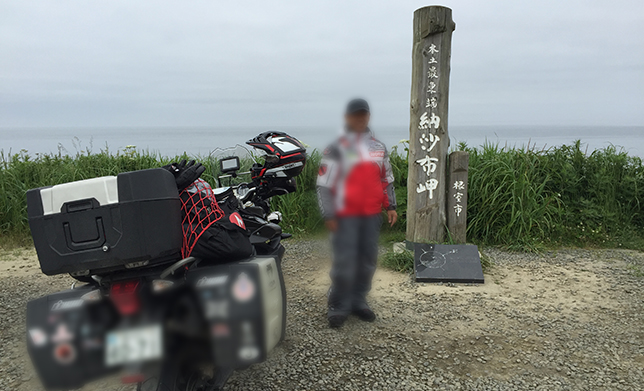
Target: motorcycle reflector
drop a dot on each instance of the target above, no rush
(125, 298)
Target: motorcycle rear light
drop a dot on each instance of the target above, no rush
(125, 298)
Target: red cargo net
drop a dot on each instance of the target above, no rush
(200, 210)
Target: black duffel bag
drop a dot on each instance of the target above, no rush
(223, 242)
(210, 233)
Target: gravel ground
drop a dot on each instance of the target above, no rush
(564, 320)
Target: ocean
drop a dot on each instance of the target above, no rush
(201, 141)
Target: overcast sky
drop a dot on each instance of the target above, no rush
(247, 63)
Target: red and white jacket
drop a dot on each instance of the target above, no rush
(355, 177)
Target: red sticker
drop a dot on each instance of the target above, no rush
(236, 219)
(65, 353)
(322, 170)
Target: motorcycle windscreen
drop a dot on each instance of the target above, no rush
(65, 338)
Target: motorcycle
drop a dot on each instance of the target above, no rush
(168, 323)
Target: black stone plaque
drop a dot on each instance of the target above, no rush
(447, 263)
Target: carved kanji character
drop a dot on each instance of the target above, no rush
(431, 87)
(432, 73)
(429, 186)
(432, 102)
(430, 139)
(428, 164)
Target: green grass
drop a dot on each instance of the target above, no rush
(300, 208)
(519, 198)
(399, 262)
(528, 198)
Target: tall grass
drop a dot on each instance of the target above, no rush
(300, 209)
(528, 197)
(522, 198)
(509, 202)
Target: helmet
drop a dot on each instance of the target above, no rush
(285, 156)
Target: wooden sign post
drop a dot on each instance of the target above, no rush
(457, 196)
(428, 136)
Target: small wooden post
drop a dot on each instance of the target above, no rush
(428, 136)
(457, 196)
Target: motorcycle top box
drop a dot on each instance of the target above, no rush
(102, 224)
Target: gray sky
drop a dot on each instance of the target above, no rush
(247, 63)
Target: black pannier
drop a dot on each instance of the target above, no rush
(66, 337)
(244, 304)
(103, 224)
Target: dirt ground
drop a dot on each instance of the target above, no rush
(564, 320)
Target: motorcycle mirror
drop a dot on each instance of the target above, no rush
(229, 164)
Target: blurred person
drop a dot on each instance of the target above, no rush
(354, 184)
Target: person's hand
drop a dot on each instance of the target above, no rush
(392, 217)
(331, 225)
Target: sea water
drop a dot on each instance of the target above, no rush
(170, 141)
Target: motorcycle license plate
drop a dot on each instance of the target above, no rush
(133, 345)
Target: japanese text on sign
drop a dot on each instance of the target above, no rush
(459, 186)
(429, 121)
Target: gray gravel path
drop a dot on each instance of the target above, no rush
(564, 320)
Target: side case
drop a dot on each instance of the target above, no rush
(65, 338)
(244, 304)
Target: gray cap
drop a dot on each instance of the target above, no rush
(356, 105)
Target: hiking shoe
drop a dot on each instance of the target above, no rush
(365, 314)
(336, 321)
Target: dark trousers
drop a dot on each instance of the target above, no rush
(355, 255)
